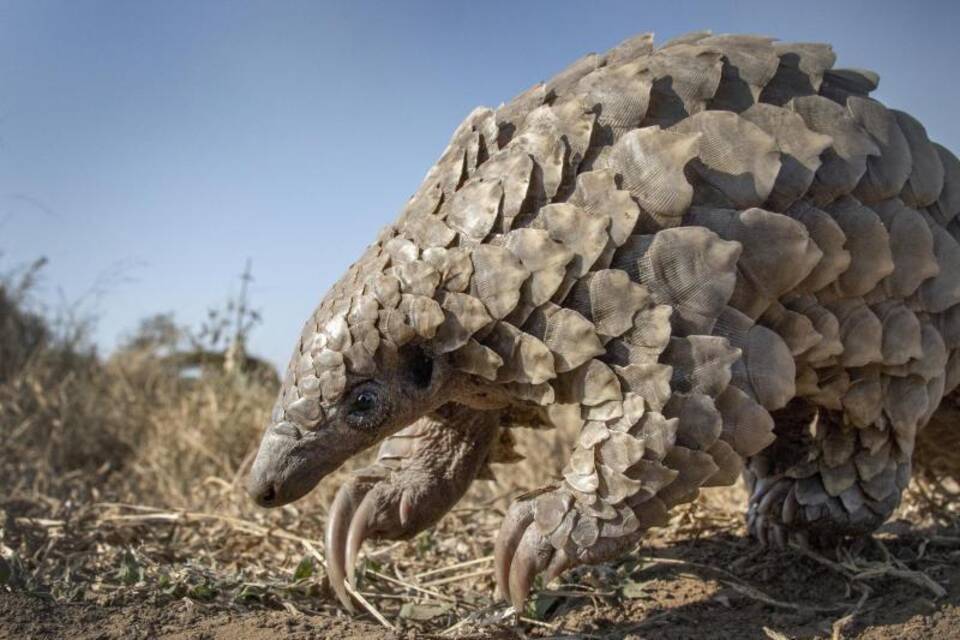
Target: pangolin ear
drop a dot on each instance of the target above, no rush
(420, 366)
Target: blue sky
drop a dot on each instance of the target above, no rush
(149, 148)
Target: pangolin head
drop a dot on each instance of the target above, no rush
(350, 383)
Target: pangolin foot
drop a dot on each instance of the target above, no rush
(522, 552)
(371, 505)
(550, 531)
(784, 511)
(771, 513)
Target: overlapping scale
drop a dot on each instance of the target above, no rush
(737, 162)
(556, 137)
(777, 253)
(570, 337)
(829, 238)
(609, 299)
(948, 324)
(947, 206)
(464, 316)
(700, 364)
(799, 73)
(644, 342)
(926, 179)
(545, 259)
(868, 242)
(474, 209)
(511, 115)
(845, 161)
(939, 293)
(688, 268)
(729, 465)
(630, 49)
(620, 94)
(563, 83)
(699, 422)
(911, 247)
(650, 162)
(525, 359)
(514, 169)
(901, 332)
(685, 77)
(766, 370)
(861, 332)
(796, 329)
(475, 359)
(583, 234)
(840, 85)
(824, 323)
(693, 469)
(799, 148)
(888, 170)
(863, 401)
(590, 384)
(597, 194)
(497, 279)
(749, 63)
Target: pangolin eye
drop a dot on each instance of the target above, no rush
(365, 407)
(364, 402)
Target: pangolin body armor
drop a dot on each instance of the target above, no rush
(729, 256)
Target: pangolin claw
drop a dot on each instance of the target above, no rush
(531, 559)
(335, 541)
(351, 521)
(521, 553)
(518, 518)
(359, 529)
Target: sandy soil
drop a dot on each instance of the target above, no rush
(717, 586)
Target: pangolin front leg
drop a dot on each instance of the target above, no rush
(420, 474)
(622, 478)
(627, 470)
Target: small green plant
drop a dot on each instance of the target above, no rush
(6, 571)
(130, 571)
(304, 570)
(425, 543)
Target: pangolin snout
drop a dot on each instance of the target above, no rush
(264, 496)
(261, 488)
(265, 480)
(290, 463)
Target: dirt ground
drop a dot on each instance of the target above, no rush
(698, 578)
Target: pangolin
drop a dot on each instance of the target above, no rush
(726, 255)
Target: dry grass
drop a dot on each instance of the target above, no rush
(120, 483)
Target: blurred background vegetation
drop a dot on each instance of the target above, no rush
(172, 406)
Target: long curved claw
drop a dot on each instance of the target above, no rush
(560, 563)
(774, 497)
(420, 473)
(532, 556)
(518, 518)
(335, 540)
(360, 526)
(366, 507)
(522, 552)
